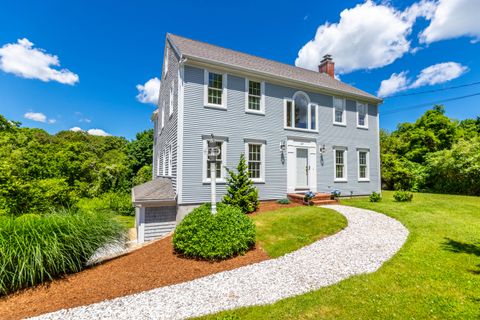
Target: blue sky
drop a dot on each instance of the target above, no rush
(113, 46)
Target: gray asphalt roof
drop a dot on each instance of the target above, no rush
(204, 51)
(157, 189)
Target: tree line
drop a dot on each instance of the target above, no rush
(40, 171)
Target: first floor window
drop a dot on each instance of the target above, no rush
(340, 161)
(255, 161)
(218, 163)
(215, 88)
(339, 111)
(362, 115)
(363, 165)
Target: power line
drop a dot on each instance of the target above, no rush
(433, 90)
(431, 103)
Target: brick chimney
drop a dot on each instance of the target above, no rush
(327, 66)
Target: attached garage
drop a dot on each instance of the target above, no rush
(155, 209)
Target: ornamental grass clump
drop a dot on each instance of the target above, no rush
(203, 235)
(37, 248)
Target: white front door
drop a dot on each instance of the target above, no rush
(301, 164)
(302, 168)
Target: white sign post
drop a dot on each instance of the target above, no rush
(213, 153)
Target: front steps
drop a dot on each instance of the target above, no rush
(318, 200)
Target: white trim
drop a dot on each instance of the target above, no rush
(224, 89)
(170, 160)
(140, 224)
(344, 114)
(367, 159)
(262, 96)
(379, 178)
(165, 61)
(306, 143)
(262, 159)
(180, 88)
(365, 126)
(163, 116)
(273, 78)
(220, 179)
(345, 164)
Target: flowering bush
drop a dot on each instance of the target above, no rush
(308, 197)
(336, 193)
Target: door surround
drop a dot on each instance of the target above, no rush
(294, 143)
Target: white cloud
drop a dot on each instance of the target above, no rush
(39, 117)
(76, 129)
(439, 73)
(396, 83)
(148, 92)
(25, 61)
(367, 36)
(452, 19)
(35, 116)
(98, 132)
(432, 75)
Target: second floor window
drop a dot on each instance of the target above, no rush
(339, 116)
(254, 95)
(300, 113)
(215, 88)
(362, 120)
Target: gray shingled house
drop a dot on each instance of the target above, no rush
(299, 129)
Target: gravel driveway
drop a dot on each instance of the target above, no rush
(369, 240)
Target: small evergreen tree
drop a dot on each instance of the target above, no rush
(241, 192)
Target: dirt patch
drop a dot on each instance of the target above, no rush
(150, 267)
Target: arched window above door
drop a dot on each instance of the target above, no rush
(300, 113)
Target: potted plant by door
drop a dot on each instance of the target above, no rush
(307, 198)
(335, 194)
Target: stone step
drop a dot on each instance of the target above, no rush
(324, 202)
(298, 197)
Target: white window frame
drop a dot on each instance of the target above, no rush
(170, 101)
(262, 159)
(344, 115)
(164, 164)
(167, 55)
(169, 160)
(365, 126)
(345, 164)
(158, 165)
(163, 116)
(367, 159)
(292, 116)
(262, 97)
(223, 106)
(223, 172)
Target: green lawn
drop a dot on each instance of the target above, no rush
(436, 275)
(286, 230)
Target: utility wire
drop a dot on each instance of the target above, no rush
(430, 103)
(433, 90)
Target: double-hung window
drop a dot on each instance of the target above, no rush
(255, 154)
(339, 116)
(215, 89)
(254, 96)
(362, 115)
(300, 113)
(220, 162)
(340, 156)
(363, 163)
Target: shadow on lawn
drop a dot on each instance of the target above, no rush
(462, 247)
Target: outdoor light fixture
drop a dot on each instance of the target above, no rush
(213, 152)
(322, 149)
(283, 148)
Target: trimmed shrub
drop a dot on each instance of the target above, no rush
(375, 197)
(402, 196)
(283, 201)
(214, 237)
(35, 248)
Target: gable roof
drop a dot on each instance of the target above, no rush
(209, 53)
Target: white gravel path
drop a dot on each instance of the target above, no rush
(363, 246)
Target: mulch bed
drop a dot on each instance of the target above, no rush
(152, 266)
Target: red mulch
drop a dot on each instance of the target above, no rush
(150, 267)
